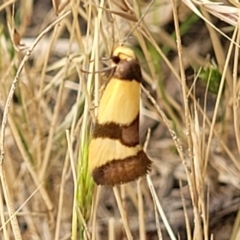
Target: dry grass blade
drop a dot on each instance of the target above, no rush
(232, 20)
(20, 208)
(13, 87)
(59, 5)
(142, 229)
(61, 197)
(159, 208)
(189, 55)
(13, 219)
(6, 4)
(123, 213)
(219, 97)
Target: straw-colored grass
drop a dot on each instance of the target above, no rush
(51, 73)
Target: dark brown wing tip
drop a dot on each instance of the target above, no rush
(122, 171)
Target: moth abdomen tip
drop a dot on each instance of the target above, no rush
(123, 170)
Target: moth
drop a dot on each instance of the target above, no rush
(115, 155)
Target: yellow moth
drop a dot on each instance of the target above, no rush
(115, 155)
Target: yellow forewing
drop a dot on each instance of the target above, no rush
(104, 150)
(120, 102)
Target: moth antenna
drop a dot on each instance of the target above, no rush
(106, 69)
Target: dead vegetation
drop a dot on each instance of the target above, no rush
(49, 54)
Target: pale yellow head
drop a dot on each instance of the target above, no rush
(124, 53)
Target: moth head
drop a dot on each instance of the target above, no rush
(122, 53)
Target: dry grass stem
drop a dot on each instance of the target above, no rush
(55, 61)
(123, 213)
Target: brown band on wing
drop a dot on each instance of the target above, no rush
(128, 70)
(120, 171)
(108, 130)
(128, 135)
